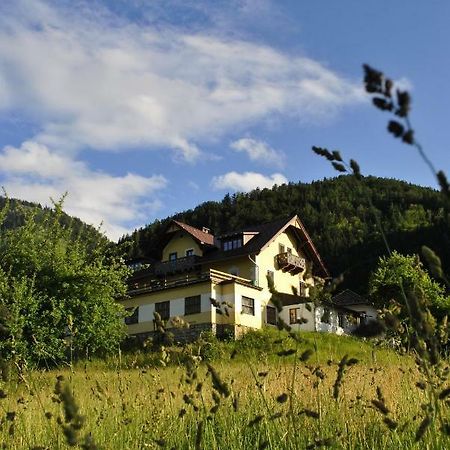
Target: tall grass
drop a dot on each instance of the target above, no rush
(257, 399)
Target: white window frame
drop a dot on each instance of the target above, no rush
(248, 308)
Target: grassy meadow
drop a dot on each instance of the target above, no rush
(266, 391)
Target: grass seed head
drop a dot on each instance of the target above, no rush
(426, 422)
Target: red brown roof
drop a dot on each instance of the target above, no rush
(202, 236)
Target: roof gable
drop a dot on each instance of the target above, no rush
(348, 298)
(305, 239)
(264, 234)
(201, 236)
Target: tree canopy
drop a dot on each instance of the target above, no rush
(397, 273)
(58, 290)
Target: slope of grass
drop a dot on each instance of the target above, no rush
(257, 399)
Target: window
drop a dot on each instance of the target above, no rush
(294, 315)
(248, 306)
(289, 250)
(133, 317)
(190, 252)
(271, 315)
(281, 248)
(173, 256)
(302, 289)
(163, 309)
(192, 305)
(231, 244)
(326, 316)
(270, 278)
(341, 320)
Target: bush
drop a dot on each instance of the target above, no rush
(58, 291)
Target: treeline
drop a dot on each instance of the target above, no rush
(18, 209)
(340, 214)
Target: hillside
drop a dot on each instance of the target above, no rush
(18, 209)
(339, 214)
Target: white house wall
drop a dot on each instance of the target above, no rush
(283, 281)
(308, 315)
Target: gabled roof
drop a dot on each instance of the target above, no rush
(297, 226)
(349, 298)
(263, 234)
(266, 233)
(199, 235)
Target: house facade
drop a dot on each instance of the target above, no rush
(223, 283)
(346, 313)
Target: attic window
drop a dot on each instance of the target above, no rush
(231, 244)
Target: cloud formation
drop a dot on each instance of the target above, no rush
(99, 82)
(259, 151)
(83, 79)
(247, 181)
(35, 173)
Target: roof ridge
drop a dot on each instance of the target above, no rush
(200, 235)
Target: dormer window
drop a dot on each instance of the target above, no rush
(231, 244)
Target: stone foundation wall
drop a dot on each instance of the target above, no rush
(184, 335)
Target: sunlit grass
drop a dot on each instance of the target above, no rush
(274, 402)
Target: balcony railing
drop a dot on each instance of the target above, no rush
(179, 265)
(161, 284)
(288, 262)
(186, 279)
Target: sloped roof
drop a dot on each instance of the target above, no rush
(265, 233)
(348, 298)
(201, 236)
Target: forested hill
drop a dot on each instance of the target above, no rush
(338, 213)
(18, 208)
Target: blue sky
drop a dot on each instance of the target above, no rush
(139, 109)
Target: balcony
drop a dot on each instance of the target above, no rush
(180, 265)
(161, 284)
(188, 278)
(288, 262)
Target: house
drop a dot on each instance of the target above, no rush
(222, 283)
(346, 312)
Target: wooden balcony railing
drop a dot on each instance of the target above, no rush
(186, 279)
(288, 262)
(179, 265)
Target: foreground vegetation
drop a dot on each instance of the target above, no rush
(266, 391)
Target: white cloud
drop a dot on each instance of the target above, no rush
(259, 151)
(35, 173)
(244, 182)
(96, 81)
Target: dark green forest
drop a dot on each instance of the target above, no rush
(339, 214)
(18, 208)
